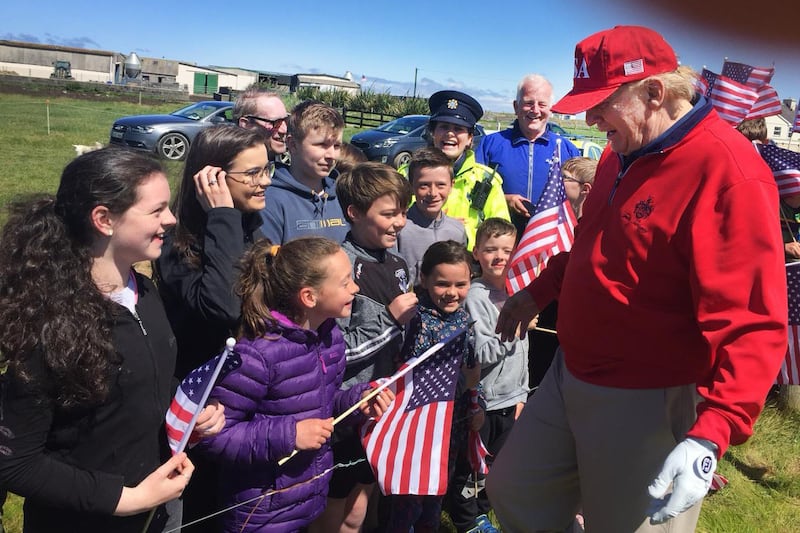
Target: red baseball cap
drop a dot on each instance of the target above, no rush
(606, 60)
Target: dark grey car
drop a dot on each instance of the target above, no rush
(170, 135)
(394, 142)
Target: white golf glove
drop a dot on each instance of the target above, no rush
(689, 468)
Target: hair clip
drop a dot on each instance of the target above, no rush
(273, 250)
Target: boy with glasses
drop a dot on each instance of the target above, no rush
(578, 176)
(302, 198)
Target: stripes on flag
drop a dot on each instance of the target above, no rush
(767, 104)
(408, 447)
(748, 75)
(785, 167)
(732, 100)
(477, 452)
(191, 397)
(549, 231)
(718, 481)
(789, 373)
(796, 126)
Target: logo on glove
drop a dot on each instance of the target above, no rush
(705, 466)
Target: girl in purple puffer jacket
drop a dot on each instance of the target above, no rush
(287, 390)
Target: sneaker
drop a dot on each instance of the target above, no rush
(483, 525)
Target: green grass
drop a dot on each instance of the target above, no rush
(33, 156)
(764, 473)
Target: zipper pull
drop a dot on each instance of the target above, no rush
(321, 360)
(614, 188)
(139, 320)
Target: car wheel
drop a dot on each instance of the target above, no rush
(173, 146)
(401, 159)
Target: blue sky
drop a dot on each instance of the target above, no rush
(480, 47)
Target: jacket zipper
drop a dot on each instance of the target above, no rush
(152, 356)
(530, 170)
(625, 171)
(322, 362)
(139, 320)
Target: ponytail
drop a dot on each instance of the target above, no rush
(272, 277)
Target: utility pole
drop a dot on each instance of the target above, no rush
(415, 81)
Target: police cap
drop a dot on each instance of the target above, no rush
(455, 107)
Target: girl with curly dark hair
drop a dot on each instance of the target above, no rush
(89, 350)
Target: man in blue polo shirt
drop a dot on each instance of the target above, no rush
(522, 153)
(523, 150)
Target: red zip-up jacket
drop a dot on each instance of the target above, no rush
(677, 276)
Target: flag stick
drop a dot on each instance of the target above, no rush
(789, 228)
(229, 344)
(377, 390)
(545, 330)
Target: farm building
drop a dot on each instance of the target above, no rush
(324, 82)
(46, 61)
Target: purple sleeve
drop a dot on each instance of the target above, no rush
(249, 436)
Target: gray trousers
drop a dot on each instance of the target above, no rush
(583, 447)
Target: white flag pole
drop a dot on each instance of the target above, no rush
(229, 344)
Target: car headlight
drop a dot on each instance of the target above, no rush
(386, 143)
(142, 129)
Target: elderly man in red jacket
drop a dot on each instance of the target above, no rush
(672, 307)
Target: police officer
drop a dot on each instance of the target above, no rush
(477, 189)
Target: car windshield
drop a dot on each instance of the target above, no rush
(195, 111)
(402, 125)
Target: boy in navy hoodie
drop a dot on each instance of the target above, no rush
(302, 198)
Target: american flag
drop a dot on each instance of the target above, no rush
(192, 395)
(796, 127)
(753, 77)
(476, 450)
(785, 166)
(718, 481)
(790, 370)
(408, 447)
(550, 230)
(477, 453)
(732, 100)
(768, 103)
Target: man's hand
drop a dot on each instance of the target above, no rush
(792, 249)
(516, 204)
(689, 468)
(515, 316)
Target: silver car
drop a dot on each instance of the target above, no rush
(170, 135)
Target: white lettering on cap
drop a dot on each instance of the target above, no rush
(581, 70)
(633, 67)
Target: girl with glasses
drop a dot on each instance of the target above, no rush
(217, 209)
